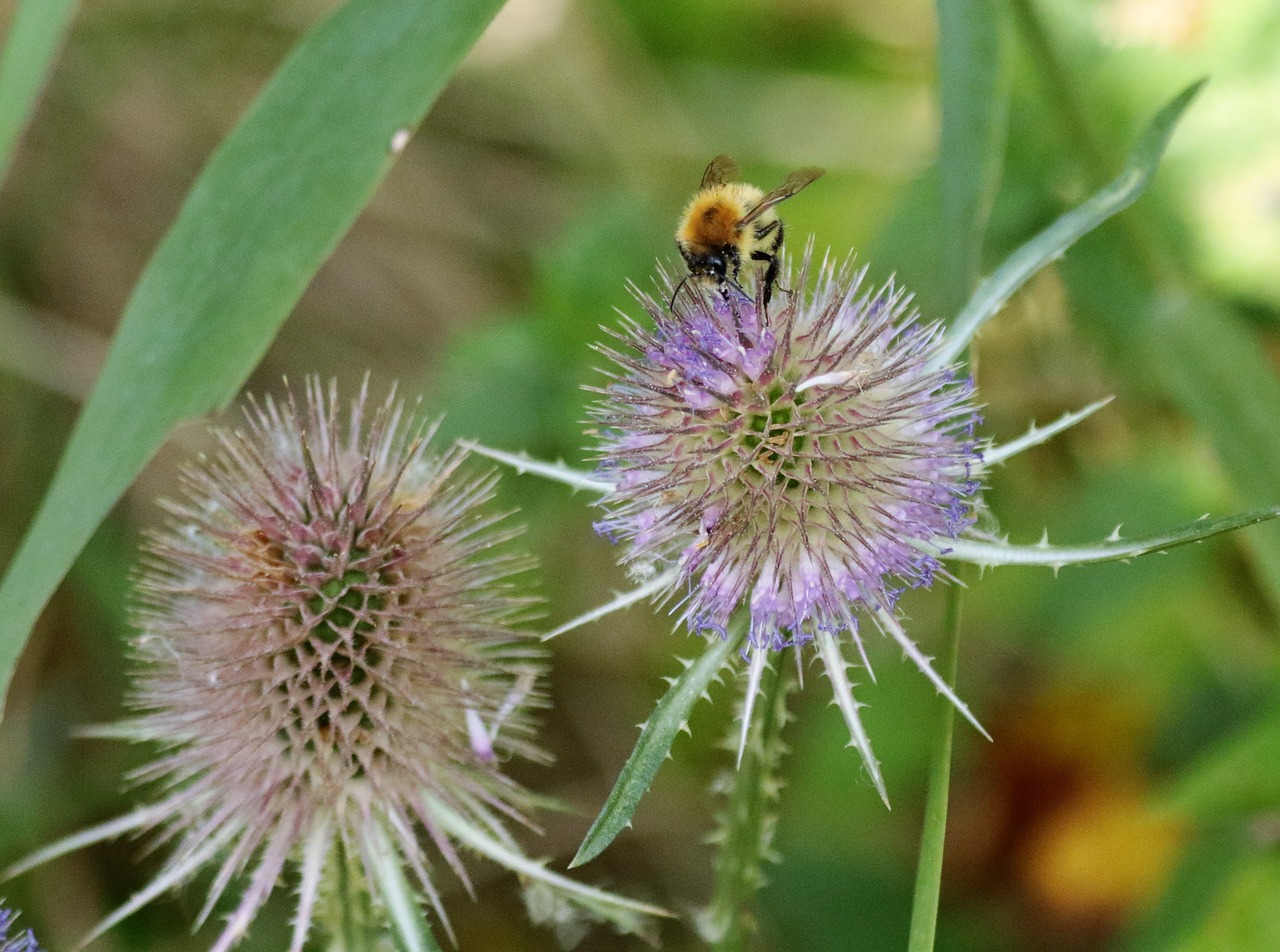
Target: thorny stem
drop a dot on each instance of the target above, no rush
(744, 840)
(924, 908)
(349, 915)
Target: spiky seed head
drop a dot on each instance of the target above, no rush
(327, 645)
(789, 461)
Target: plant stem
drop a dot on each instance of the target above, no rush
(747, 824)
(349, 915)
(924, 908)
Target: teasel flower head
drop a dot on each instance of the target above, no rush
(19, 942)
(788, 462)
(797, 466)
(331, 663)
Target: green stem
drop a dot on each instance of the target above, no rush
(349, 915)
(924, 908)
(973, 93)
(744, 840)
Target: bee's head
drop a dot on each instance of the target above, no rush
(707, 264)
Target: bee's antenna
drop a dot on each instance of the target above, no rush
(671, 305)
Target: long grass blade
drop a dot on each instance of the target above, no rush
(38, 30)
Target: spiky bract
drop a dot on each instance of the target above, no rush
(791, 460)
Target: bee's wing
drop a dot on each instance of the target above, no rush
(720, 170)
(790, 185)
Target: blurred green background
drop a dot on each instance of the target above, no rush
(1131, 800)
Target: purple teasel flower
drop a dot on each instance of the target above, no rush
(783, 474)
(790, 466)
(799, 467)
(780, 472)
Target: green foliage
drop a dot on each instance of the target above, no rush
(1246, 916)
(1109, 550)
(266, 212)
(973, 96)
(668, 719)
(1049, 245)
(1237, 778)
(35, 36)
(1210, 362)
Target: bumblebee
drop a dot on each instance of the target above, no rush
(729, 225)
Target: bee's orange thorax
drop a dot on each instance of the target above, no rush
(713, 218)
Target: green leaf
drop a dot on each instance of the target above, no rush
(267, 210)
(1246, 916)
(656, 739)
(37, 32)
(991, 554)
(1050, 244)
(1237, 777)
(998, 453)
(1214, 365)
(974, 93)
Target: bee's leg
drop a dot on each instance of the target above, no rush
(730, 281)
(733, 264)
(730, 288)
(732, 293)
(770, 255)
(770, 272)
(763, 231)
